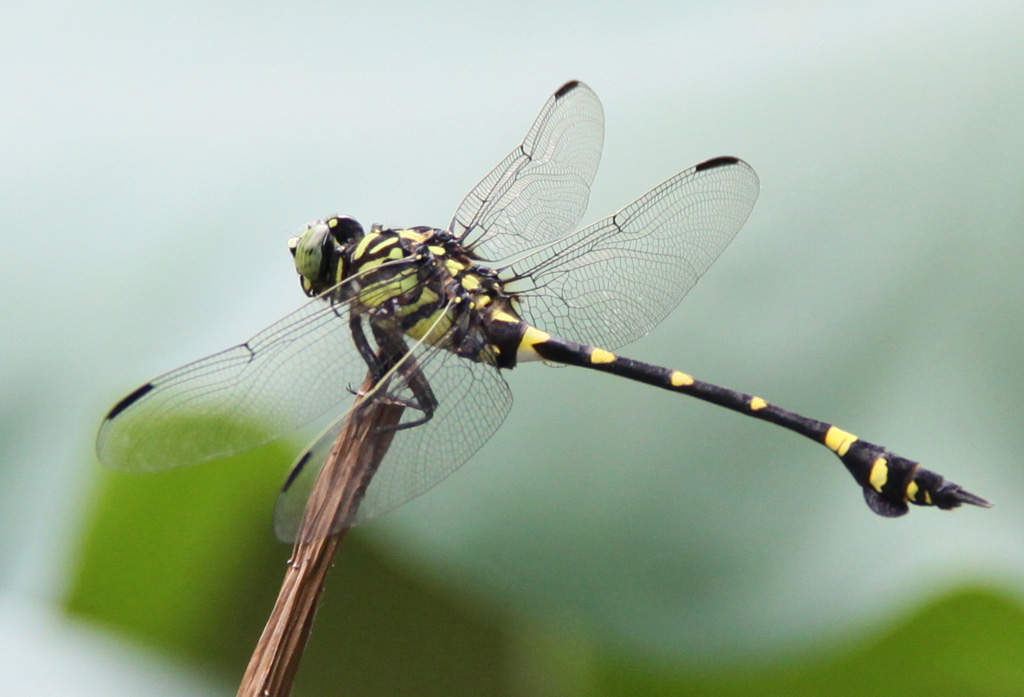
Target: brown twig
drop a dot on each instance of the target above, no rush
(339, 488)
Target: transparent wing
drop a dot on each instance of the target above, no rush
(472, 401)
(612, 282)
(292, 372)
(540, 190)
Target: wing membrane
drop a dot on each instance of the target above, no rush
(290, 373)
(540, 190)
(473, 401)
(607, 284)
(612, 282)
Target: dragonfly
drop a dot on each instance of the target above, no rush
(436, 317)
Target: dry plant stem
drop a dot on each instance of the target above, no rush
(353, 459)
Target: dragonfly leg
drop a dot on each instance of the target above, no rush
(394, 354)
(369, 356)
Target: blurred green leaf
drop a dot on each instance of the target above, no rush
(180, 559)
(970, 642)
(186, 562)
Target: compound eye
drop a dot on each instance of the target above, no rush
(312, 251)
(345, 230)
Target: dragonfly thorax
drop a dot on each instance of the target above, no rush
(421, 282)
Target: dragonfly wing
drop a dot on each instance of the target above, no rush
(292, 372)
(540, 190)
(472, 401)
(612, 282)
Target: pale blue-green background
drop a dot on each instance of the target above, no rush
(154, 159)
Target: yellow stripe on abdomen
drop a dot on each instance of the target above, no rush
(879, 474)
(531, 337)
(838, 441)
(679, 379)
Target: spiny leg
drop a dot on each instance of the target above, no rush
(396, 356)
(374, 362)
(392, 351)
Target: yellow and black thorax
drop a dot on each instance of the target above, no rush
(419, 281)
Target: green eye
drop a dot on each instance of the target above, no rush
(311, 250)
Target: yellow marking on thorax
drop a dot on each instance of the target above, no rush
(455, 267)
(433, 328)
(413, 235)
(363, 244)
(437, 251)
(598, 355)
(879, 474)
(383, 245)
(427, 296)
(371, 264)
(680, 379)
(374, 296)
(394, 255)
(756, 404)
(378, 293)
(839, 441)
(470, 283)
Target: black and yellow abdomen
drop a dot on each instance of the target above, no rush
(889, 481)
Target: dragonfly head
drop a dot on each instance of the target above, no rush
(315, 251)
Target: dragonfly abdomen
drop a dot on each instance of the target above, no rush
(889, 481)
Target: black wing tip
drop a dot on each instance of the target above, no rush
(567, 88)
(296, 471)
(129, 400)
(714, 162)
